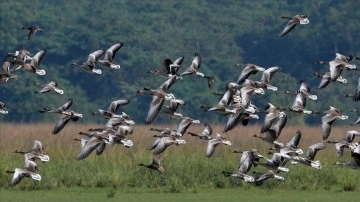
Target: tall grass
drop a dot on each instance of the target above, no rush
(187, 167)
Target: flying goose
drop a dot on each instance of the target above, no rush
(20, 173)
(109, 55)
(325, 79)
(345, 142)
(267, 175)
(274, 122)
(6, 75)
(52, 86)
(247, 71)
(66, 115)
(355, 162)
(20, 57)
(308, 160)
(267, 76)
(330, 116)
(161, 143)
(302, 94)
(338, 64)
(170, 110)
(37, 151)
(185, 124)
(205, 134)
(60, 109)
(90, 145)
(169, 68)
(113, 107)
(116, 121)
(246, 161)
(226, 99)
(159, 96)
(214, 142)
(2, 108)
(277, 161)
(64, 119)
(194, 69)
(293, 21)
(33, 66)
(90, 64)
(155, 165)
(241, 115)
(292, 144)
(32, 30)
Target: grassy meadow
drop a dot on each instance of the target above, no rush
(188, 170)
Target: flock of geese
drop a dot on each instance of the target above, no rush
(235, 104)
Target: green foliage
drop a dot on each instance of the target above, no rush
(223, 33)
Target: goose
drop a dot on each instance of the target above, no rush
(37, 151)
(20, 57)
(169, 68)
(226, 99)
(345, 142)
(241, 115)
(33, 66)
(330, 116)
(89, 65)
(109, 55)
(278, 160)
(32, 30)
(3, 108)
(159, 96)
(268, 175)
(52, 86)
(64, 119)
(292, 144)
(161, 143)
(113, 107)
(6, 75)
(185, 124)
(248, 70)
(325, 79)
(155, 165)
(308, 160)
(170, 110)
(60, 109)
(247, 89)
(246, 161)
(114, 122)
(20, 173)
(267, 76)
(194, 69)
(293, 21)
(90, 145)
(275, 120)
(214, 142)
(205, 134)
(355, 162)
(338, 64)
(302, 94)
(102, 138)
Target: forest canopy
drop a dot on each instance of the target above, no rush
(223, 33)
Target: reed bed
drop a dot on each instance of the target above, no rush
(187, 167)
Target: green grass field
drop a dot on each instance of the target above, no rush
(190, 175)
(208, 195)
